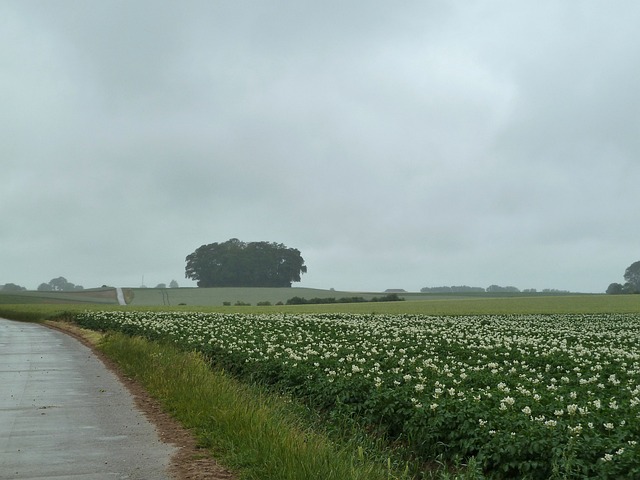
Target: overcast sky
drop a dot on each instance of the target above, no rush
(395, 144)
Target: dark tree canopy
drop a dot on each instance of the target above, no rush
(11, 287)
(632, 276)
(59, 284)
(239, 264)
(615, 289)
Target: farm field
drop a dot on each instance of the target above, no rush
(88, 296)
(526, 396)
(212, 299)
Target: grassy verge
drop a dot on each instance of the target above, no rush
(255, 433)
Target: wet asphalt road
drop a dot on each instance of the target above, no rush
(63, 415)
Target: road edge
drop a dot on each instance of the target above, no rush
(189, 462)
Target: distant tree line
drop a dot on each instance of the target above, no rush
(489, 289)
(238, 264)
(453, 289)
(632, 284)
(59, 284)
(392, 297)
(467, 289)
(11, 287)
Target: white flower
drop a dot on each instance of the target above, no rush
(575, 430)
(526, 410)
(608, 426)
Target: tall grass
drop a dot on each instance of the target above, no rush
(247, 429)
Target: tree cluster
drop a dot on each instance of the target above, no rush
(467, 289)
(238, 264)
(392, 297)
(11, 287)
(453, 289)
(632, 284)
(59, 284)
(489, 289)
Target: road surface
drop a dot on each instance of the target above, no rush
(120, 296)
(63, 415)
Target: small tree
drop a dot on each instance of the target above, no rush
(173, 284)
(614, 289)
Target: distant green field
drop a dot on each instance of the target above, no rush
(436, 304)
(93, 295)
(218, 296)
(212, 299)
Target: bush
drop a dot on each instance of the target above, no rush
(392, 297)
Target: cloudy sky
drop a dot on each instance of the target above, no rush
(395, 144)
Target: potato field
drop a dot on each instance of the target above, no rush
(528, 396)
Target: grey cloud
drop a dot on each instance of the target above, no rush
(395, 146)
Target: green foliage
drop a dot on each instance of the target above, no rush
(238, 264)
(392, 297)
(632, 276)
